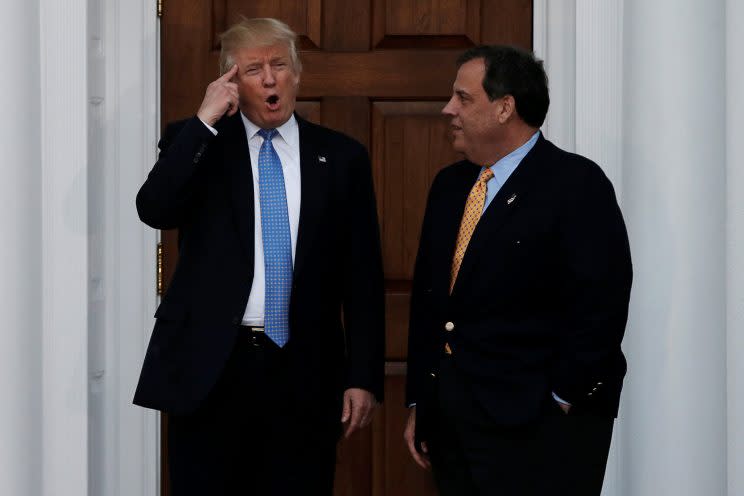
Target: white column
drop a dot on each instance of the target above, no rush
(674, 407)
(555, 43)
(64, 261)
(123, 112)
(20, 251)
(735, 242)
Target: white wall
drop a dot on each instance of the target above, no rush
(20, 251)
(735, 243)
(77, 267)
(124, 110)
(653, 94)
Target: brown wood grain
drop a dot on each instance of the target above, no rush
(346, 25)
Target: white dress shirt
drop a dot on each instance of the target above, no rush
(287, 146)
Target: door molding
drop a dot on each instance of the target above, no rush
(124, 123)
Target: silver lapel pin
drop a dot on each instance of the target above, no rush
(511, 199)
(321, 158)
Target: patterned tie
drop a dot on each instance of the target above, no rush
(277, 243)
(473, 211)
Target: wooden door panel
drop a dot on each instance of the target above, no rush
(303, 16)
(398, 473)
(410, 145)
(379, 71)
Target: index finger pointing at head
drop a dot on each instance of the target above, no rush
(229, 74)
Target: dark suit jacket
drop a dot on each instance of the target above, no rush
(202, 185)
(541, 300)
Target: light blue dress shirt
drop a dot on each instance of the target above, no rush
(504, 168)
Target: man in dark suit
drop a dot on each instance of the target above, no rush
(278, 236)
(520, 298)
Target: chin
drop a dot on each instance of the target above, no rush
(458, 147)
(277, 119)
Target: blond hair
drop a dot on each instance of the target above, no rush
(258, 32)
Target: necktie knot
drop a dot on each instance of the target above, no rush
(267, 134)
(486, 175)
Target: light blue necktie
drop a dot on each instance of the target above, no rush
(277, 243)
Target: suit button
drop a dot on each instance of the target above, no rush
(449, 326)
(236, 320)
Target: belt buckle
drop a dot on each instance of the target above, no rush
(255, 333)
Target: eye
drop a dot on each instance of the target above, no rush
(251, 69)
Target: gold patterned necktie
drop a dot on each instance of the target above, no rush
(473, 211)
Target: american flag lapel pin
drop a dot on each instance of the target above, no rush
(511, 199)
(321, 159)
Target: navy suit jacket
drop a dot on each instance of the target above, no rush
(541, 300)
(202, 184)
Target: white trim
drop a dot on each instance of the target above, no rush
(599, 82)
(124, 75)
(554, 41)
(735, 245)
(20, 252)
(64, 226)
(136, 113)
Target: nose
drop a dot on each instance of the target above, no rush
(269, 79)
(449, 109)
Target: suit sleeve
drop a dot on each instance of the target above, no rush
(166, 197)
(422, 336)
(596, 272)
(363, 300)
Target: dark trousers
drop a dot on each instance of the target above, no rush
(249, 437)
(557, 454)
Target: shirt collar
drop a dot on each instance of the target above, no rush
(288, 131)
(503, 168)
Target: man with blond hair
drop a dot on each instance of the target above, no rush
(278, 239)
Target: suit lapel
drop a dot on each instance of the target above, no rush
(237, 159)
(313, 186)
(448, 221)
(507, 201)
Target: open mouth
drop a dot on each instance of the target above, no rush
(272, 102)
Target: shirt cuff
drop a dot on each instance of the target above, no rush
(214, 131)
(559, 400)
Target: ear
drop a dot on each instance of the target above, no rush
(507, 109)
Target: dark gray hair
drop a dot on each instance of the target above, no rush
(516, 72)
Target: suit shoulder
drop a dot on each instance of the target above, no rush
(331, 137)
(453, 172)
(577, 169)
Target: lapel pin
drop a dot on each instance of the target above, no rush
(321, 158)
(511, 199)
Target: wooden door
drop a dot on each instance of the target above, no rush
(380, 71)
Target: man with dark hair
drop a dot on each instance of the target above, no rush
(520, 298)
(278, 239)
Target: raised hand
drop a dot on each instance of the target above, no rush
(221, 97)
